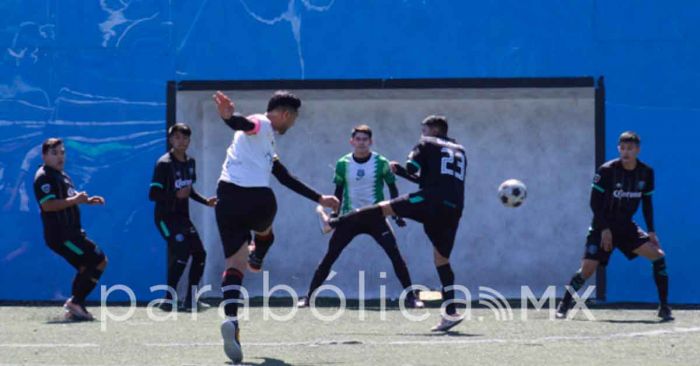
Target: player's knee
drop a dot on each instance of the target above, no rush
(440, 260)
(588, 269)
(386, 208)
(103, 264)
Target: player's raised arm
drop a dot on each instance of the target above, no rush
(404, 172)
(227, 111)
(288, 180)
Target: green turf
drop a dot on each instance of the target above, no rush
(35, 335)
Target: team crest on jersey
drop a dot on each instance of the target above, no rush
(177, 174)
(618, 185)
(641, 185)
(46, 188)
(360, 174)
(596, 178)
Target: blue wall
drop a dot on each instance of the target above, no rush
(95, 72)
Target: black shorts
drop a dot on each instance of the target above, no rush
(241, 210)
(181, 235)
(627, 238)
(77, 250)
(440, 218)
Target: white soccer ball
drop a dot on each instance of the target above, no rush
(512, 193)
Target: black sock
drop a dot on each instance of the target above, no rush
(447, 278)
(362, 215)
(263, 244)
(577, 281)
(83, 283)
(231, 287)
(661, 279)
(196, 271)
(319, 276)
(175, 269)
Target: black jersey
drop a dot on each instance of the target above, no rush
(617, 192)
(442, 166)
(51, 184)
(169, 176)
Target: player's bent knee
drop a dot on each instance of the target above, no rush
(103, 264)
(386, 208)
(588, 268)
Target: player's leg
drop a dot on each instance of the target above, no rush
(408, 206)
(199, 257)
(91, 263)
(340, 239)
(385, 237)
(442, 230)
(261, 222)
(588, 268)
(658, 258)
(262, 242)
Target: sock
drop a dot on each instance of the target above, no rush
(447, 278)
(175, 269)
(661, 279)
(319, 276)
(263, 244)
(231, 287)
(366, 214)
(83, 283)
(196, 271)
(577, 281)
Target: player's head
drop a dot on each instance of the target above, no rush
(53, 153)
(435, 126)
(629, 146)
(361, 139)
(282, 110)
(179, 136)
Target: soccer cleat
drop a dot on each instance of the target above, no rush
(562, 310)
(77, 311)
(665, 313)
(303, 302)
(189, 306)
(414, 302)
(232, 342)
(447, 324)
(254, 262)
(324, 218)
(165, 305)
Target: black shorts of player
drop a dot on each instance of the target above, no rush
(627, 237)
(181, 235)
(241, 210)
(378, 229)
(76, 249)
(440, 218)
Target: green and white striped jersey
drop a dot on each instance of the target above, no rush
(363, 183)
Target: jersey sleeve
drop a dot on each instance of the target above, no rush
(650, 184)
(599, 193)
(160, 175)
(386, 173)
(416, 159)
(341, 167)
(45, 189)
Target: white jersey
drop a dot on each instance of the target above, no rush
(251, 154)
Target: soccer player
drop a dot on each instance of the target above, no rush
(438, 164)
(359, 181)
(171, 189)
(246, 202)
(63, 232)
(618, 188)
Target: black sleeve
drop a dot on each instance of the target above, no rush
(239, 123)
(600, 193)
(403, 173)
(44, 188)
(197, 197)
(338, 192)
(393, 190)
(647, 205)
(157, 191)
(283, 176)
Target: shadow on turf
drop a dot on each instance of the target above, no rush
(265, 362)
(633, 321)
(452, 333)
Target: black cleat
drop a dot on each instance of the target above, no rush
(562, 310)
(665, 313)
(254, 262)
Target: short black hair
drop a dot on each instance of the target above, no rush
(181, 128)
(440, 122)
(50, 143)
(362, 129)
(629, 136)
(284, 99)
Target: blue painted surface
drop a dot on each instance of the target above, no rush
(95, 72)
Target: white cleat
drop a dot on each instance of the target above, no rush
(447, 324)
(303, 302)
(232, 343)
(324, 218)
(76, 311)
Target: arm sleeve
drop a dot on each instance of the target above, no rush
(44, 189)
(415, 160)
(157, 191)
(197, 197)
(403, 173)
(239, 123)
(600, 192)
(393, 190)
(339, 192)
(647, 205)
(283, 176)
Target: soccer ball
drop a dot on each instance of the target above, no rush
(512, 193)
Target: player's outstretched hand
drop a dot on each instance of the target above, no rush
(80, 198)
(394, 165)
(96, 200)
(224, 104)
(606, 240)
(183, 193)
(400, 221)
(330, 202)
(211, 201)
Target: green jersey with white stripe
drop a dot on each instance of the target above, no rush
(363, 183)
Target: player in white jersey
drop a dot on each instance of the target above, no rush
(360, 178)
(246, 202)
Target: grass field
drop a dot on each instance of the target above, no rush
(39, 336)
